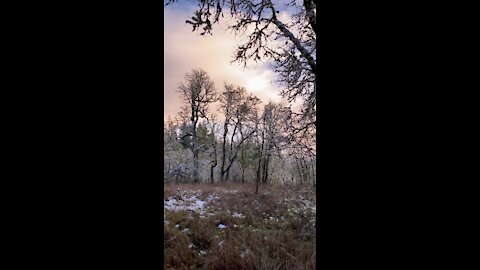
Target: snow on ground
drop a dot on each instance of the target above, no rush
(305, 206)
(236, 212)
(238, 215)
(244, 253)
(226, 191)
(188, 201)
(213, 197)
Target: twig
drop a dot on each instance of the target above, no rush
(169, 240)
(287, 253)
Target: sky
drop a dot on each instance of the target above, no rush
(185, 50)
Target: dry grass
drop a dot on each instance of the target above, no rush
(274, 234)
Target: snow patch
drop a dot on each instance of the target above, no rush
(244, 253)
(238, 215)
(191, 203)
(213, 197)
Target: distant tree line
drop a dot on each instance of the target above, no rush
(243, 141)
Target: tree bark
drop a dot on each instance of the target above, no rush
(258, 175)
(303, 51)
(233, 156)
(243, 163)
(262, 154)
(215, 163)
(266, 163)
(310, 14)
(224, 146)
(194, 144)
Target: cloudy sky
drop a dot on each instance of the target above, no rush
(185, 50)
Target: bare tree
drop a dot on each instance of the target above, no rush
(239, 109)
(290, 42)
(260, 150)
(227, 100)
(212, 125)
(273, 137)
(197, 92)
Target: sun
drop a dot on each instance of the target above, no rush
(256, 84)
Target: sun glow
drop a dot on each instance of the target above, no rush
(262, 87)
(256, 84)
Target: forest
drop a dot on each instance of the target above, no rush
(240, 170)
(243, 142)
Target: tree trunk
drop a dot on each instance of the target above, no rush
(307, 173)
(259, 168)
(212, 168)
(243, 175)
(258, 176)
(304, 173)
(314, 176)
(233, 156)
(214, 146)
(265, 164)
(224, 146)
(299, 169)
(196, 176)
(194, 145)
(243, 159)
(261, 150)
(227, 175)
(298, 45)
(211, 175)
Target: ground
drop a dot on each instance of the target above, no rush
(231, 227)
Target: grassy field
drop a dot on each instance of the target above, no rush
(230, 227)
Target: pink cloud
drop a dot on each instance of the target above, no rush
(185, 50)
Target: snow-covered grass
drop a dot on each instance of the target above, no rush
(185, 203)
(230, 227)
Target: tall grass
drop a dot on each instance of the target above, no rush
(274, 234)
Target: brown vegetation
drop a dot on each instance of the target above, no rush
(274, 232)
